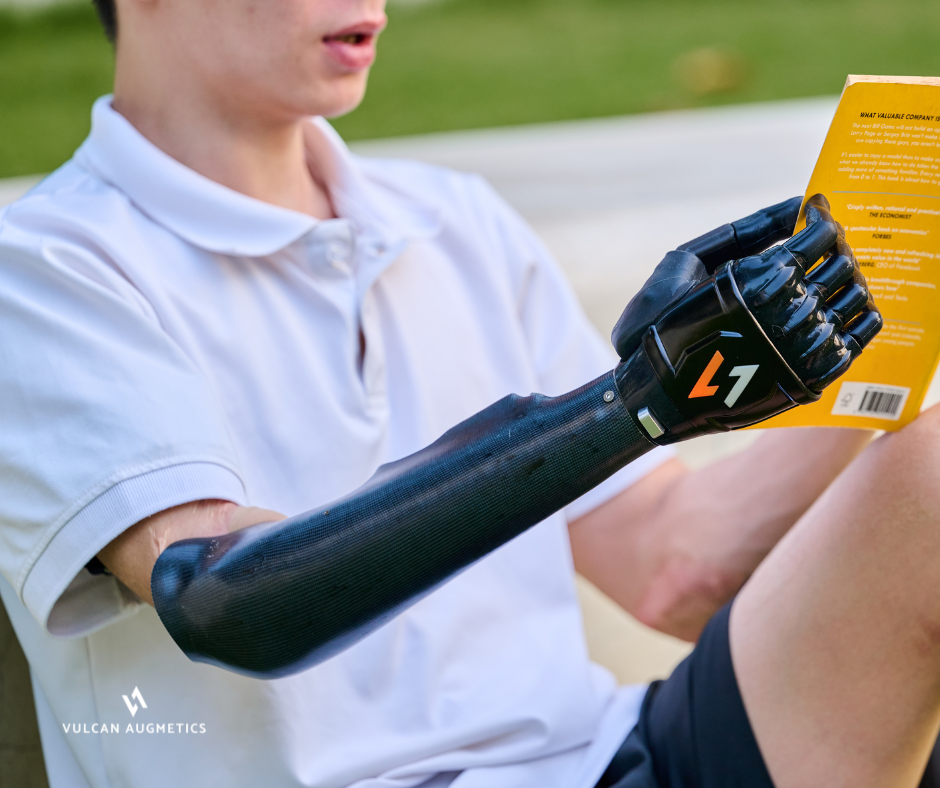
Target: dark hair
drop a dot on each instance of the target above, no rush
(108, 15)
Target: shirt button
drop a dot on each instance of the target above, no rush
(337, 253)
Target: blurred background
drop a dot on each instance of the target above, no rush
(618, 128)
(460, 64)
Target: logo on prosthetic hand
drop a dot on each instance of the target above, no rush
(716, 366)
(703, 386)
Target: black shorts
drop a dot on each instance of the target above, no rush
(694, 732)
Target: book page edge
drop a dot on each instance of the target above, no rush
(855, 78)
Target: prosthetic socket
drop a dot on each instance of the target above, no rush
(719, 338)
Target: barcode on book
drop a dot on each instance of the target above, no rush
(871, 399)
(881, 402)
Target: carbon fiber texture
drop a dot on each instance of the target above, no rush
(277, 598)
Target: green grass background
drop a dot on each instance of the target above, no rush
(474, 63)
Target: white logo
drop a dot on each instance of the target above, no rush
(111, 728)
(132, 707)
(744, 375)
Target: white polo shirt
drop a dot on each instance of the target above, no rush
(164, 339)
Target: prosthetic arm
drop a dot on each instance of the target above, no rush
(719, 337)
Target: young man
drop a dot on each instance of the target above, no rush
(214, 313)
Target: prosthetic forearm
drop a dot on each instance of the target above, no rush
(273, 599)
(276, 598)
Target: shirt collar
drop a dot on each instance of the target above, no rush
(214, 217)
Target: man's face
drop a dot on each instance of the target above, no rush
(277, 58)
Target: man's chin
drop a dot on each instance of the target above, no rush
(345, 97)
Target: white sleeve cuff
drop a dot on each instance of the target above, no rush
(71, 602)
(620, 481)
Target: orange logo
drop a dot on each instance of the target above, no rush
(702, 387)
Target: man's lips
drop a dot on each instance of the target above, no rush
(354, 47)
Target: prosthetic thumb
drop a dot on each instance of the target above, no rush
(673, 278)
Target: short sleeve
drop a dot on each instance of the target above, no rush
(566, 349)
(104, 421)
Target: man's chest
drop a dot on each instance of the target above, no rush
(325, 368)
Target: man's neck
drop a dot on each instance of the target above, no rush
(268, 161)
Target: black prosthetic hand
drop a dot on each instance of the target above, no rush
(274, 599)
(744, 339)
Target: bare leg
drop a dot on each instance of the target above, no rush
(836, 637)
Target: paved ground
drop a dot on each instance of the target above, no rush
(610, 197)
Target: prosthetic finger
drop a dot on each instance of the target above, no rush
(833, 359)
(848, 307)
(819, 347)
(817, 207)
(832, 274)
(747, 236)
(763, 229)
(806, 315)
(811, 243)
(846, 304)
(865, 327)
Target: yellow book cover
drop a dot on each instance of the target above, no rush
(880, 170)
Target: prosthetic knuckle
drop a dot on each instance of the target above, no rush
(802, 310)
(865, 326)
(813, 242)
(853, 346)
(849, 301)
(831, 316)
(766, 278)
(837, 366)
(816, 351)
(830, 365)
(834, 274)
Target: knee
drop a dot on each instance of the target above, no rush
(910, 457)
(921, 435)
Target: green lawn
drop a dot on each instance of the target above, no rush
(473, 63)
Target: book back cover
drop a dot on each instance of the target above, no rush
(880, 170)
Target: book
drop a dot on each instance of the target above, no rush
(880, 170)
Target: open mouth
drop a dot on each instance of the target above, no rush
(354, 47)
(352, 38)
